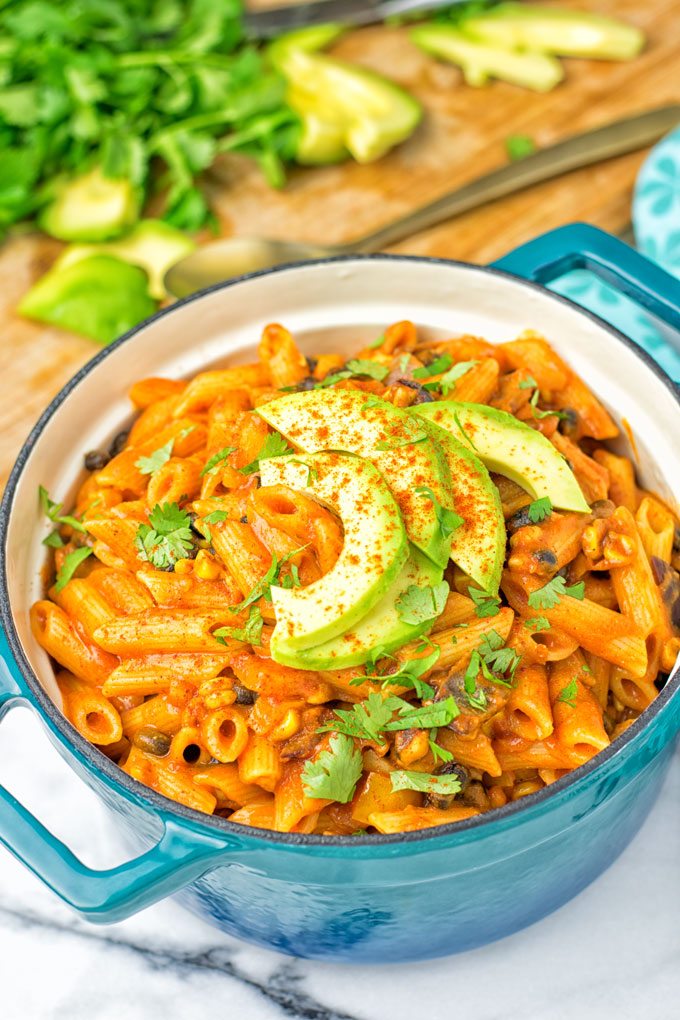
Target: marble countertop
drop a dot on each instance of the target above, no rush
(611, 954)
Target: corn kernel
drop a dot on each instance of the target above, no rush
(288, 726)
(184, 566)
(206, 566)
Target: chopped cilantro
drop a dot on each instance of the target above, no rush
(436, 367)
(519, 146)
(538, 413)
(409, 674)
(250, 632)
(439, 713)
(568, 694)
(156, 460)
(497, 660)
(485, 603)
(396, 444)
(217, 459)
(418, 604)
(366, 719)
(273, 446)
(475, 696)
(372, 401)
(378, 342)
(439, 753)
(373, 369)
(450, 378)
(550, 594)
(263, 587)
(216, 516)
(537, 623)
(71, 562)
(167, 538)
(312, 473)
(529, 383)
(456, 418)
(539, 509)
(448, 520)
(52, 510)
(424, 783)
(334, 774)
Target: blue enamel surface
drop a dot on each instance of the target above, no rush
(376, 900)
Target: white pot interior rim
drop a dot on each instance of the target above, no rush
(423, 284)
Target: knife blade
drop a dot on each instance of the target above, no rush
(266, 23)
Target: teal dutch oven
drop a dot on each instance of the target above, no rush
(368, 898)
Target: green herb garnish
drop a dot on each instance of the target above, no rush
(167, 538)
(486, 604)
(550, 594)
(274, 446)
(424, 783)
(217, 459)
(568, 694)
(519, 146)
(53, 512)
(539, 509)
(251, 631)
(71, 562)
(418, 604)
(436, 367)
(334, 774)
(447, 519)
(537, 623)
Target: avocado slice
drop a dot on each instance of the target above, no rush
(337, 419)
(99, 296)
(152, 245)
(478, 545)
(511, 448)
(373, 552)
(91, 207)
(381, 629)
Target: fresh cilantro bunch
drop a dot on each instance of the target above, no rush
(129, 84)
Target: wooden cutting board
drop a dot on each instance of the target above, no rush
(461, 137)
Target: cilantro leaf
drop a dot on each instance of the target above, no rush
(71, 562)
(485, 603)
(448, 520)
(334, 774)
(366, 719)
(424, 783)
(378, 342)
(528, 384)
(167, 538)
(476, 698)
(568, 694)
(449, 379)
(550, 594)
(539, 509)
(538, 413)
(537, 623)
(251, 631)
(418, 604)
(52, 510)
(156, 460)
(409, 674)
(396, 444)
(439, 753)
(216, 516)
(456, 418)
(263, 587)
(217, 459)
(425, 717)
(373, 369)
(436, 367)
(519, 146)
(274, 446)
(372, 401)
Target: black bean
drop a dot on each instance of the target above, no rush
(569, 425)
(602, 508)
(311, 364)
(152, 741)
(244, 519)
(546, 556)
(659, 568)
(95, 460)
(118, 443)
(520, 519)
(244, 696)
(423, 396)
(445, 800)
(308, 383)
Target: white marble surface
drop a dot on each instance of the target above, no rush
(611, 954)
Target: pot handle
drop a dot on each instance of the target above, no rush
(581, 246)
(182, 854)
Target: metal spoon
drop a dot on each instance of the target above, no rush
(233, 256)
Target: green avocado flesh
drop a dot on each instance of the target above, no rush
(478, 545)
(511, 448)
(374, 550)
(380, 628)
(338, 419)
(91, 207)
